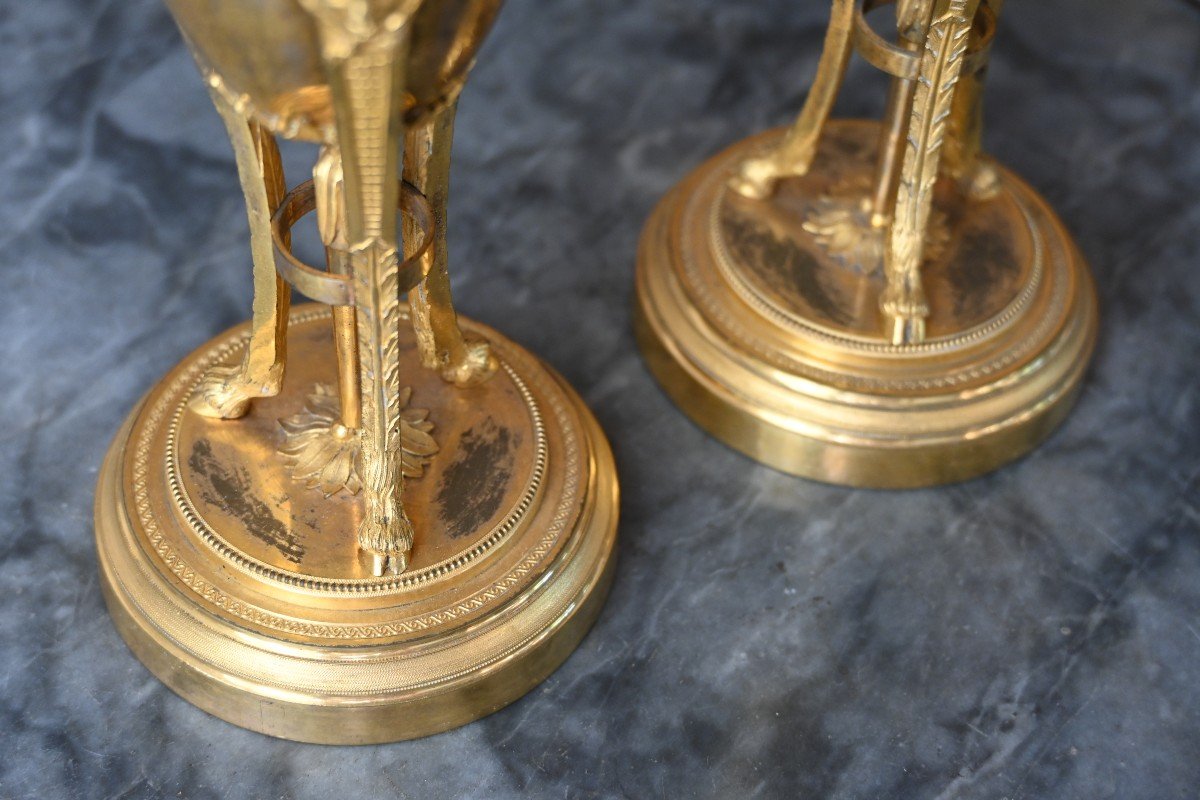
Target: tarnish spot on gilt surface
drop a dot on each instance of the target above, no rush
(229, 487)
(475, 483)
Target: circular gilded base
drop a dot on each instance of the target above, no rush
(230, 565)
(761, 320)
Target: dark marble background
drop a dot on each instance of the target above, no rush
(1032, 634)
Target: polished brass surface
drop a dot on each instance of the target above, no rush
(242, 588)
(415, 523)
(876, 304)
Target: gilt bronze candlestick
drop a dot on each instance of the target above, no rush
(414, 524)
(875, 304)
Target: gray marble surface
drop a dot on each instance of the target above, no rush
(1032, 634)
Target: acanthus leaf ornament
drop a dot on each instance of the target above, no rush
(323, 452)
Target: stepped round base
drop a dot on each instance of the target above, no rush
(239, 584)
(761, 320)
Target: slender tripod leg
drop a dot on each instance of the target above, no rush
(366, 77)
(226, 392)
(903, 300)
(442, 345)
(757, 176)
(964, 137)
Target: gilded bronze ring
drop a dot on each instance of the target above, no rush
(338, 290)
(905, 64)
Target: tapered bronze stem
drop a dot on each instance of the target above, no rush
(912, 21)
(345, 342)
(891, 150)
(330, 188)
(895, 129)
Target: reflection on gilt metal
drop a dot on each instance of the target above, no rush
(932, 128)
(365, 80)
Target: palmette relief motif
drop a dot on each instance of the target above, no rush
(323, 453)
(840, 222)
